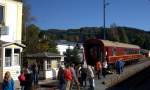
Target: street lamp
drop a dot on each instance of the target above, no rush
(104, 7)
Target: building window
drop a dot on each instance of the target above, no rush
(8, 59)
(16, 59)
(1, 14)
(49, 65)
(54, 63)
(16, 56)
(17, 51)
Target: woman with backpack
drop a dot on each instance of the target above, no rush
(22, 79)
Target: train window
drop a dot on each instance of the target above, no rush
(127, 51)
(114, 51)
(95, 52)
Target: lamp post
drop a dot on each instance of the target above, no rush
(104, 7)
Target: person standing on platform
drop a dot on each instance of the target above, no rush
(119, 66)
(34, 68)
(83, 72)
(8, 82)
(22, 80)
(61, 78)
(29, 79)
(90, 75)
(104, 69)
(74, 78)
(68, 77)
(98, 69)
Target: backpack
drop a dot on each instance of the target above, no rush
(21, 77)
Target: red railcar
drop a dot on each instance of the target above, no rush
(100, 50)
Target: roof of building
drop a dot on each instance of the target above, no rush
(112, 43)
(4, 43)
(65, 42)
(43, 55)
(118, 44)
(62, 42)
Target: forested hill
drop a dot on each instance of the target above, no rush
(121, 34)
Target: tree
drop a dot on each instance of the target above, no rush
(32, 39)
(123, 36)
(37, 41)
(113, 33)
(47, 42)
(43, 46)
(26, 19)
(75, 56)
(72, 56)
(67, 54)
(52, 46)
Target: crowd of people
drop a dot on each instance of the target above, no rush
(28, 77)
(75, 75)
(78, 75)
(68, 77)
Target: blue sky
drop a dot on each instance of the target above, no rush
(67, 14)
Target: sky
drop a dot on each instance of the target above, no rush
(74, 14)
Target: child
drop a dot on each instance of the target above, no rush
(8, 82)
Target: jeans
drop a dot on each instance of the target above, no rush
(22, 88)
(91, 83)
(35, 78)
(61, 86)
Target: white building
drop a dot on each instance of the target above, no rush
(63, 45)
(48, 63)
(10, 37)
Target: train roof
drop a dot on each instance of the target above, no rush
(115, 44)
(118, 44)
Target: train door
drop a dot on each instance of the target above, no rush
(95, 53)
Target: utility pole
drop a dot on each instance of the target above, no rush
(104, 6)
(104, 17)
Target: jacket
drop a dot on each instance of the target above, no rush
(8, 85)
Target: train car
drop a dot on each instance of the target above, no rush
(145, 53)
(99, 50)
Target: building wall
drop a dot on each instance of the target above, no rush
(13, 23)
(12, 20)
(52, 74)
(14, 70)
(1, 73)
(2, 1)
(63, 47)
